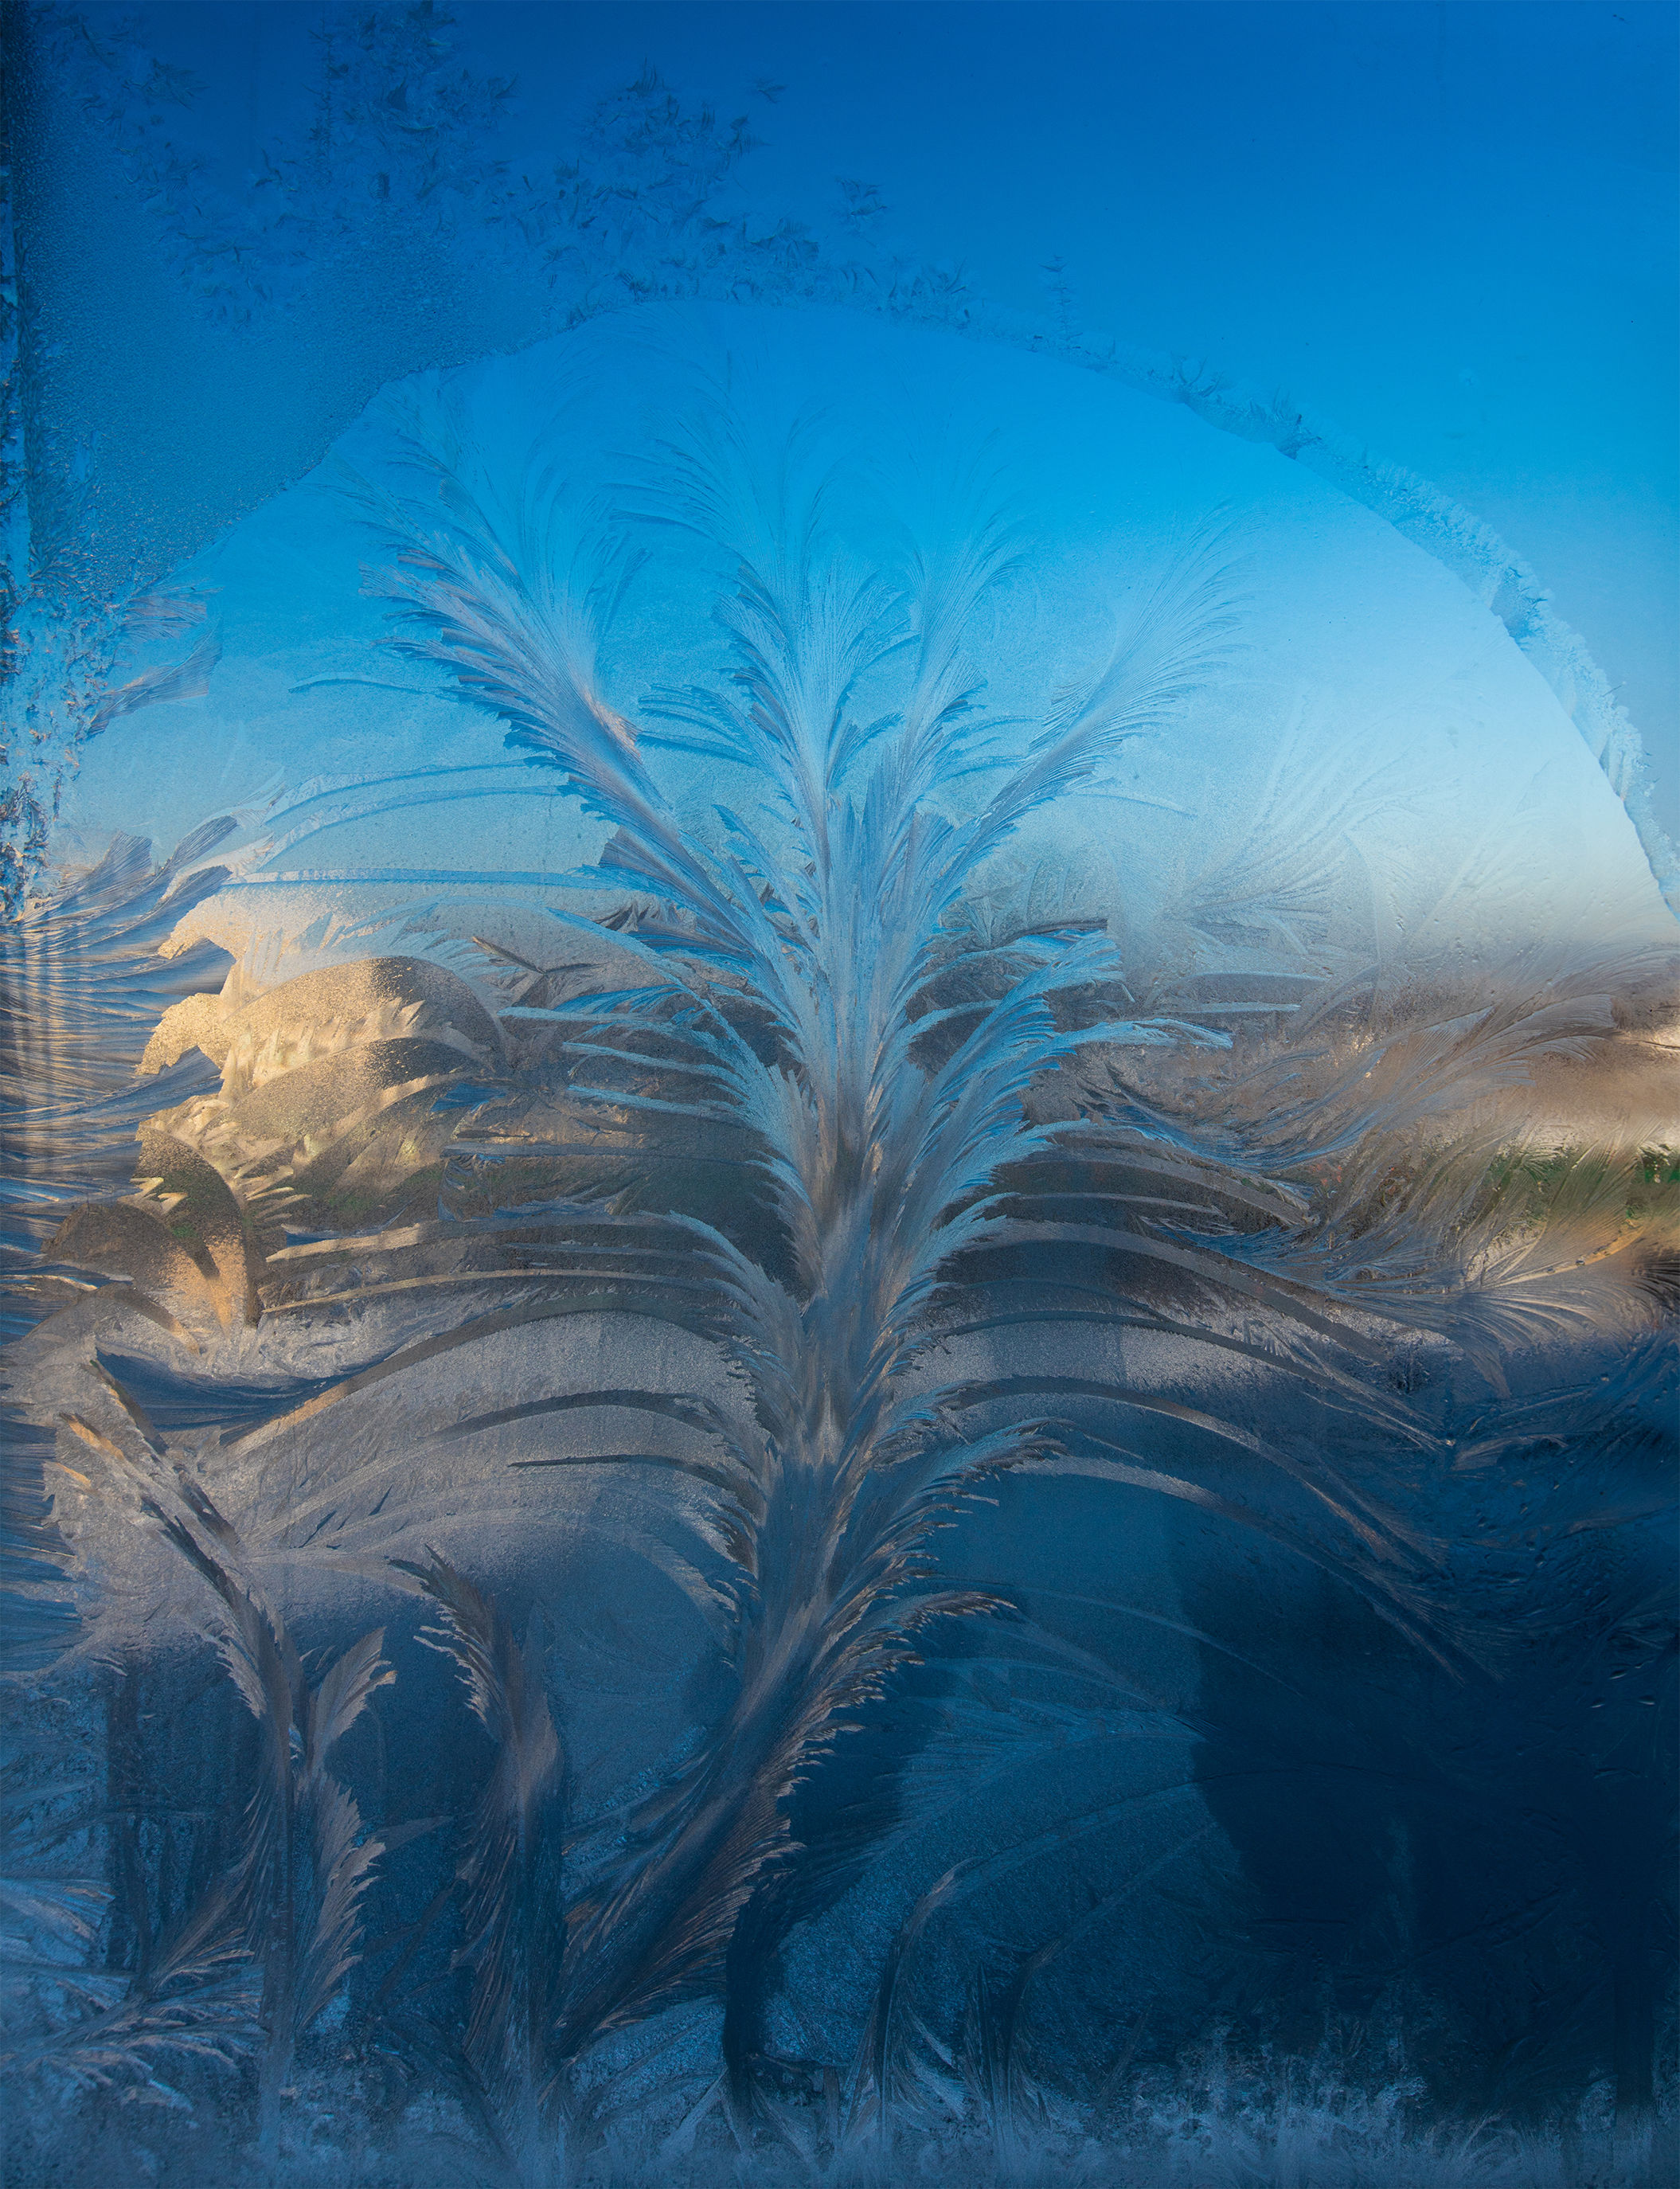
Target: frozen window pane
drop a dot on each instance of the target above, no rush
(844, 1201)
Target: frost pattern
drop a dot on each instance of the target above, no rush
(885, 1193)
(534, 1479)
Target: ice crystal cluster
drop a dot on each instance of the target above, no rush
(840, 1275)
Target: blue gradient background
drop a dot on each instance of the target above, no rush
(1450, 228)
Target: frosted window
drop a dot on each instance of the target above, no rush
(842, 1190)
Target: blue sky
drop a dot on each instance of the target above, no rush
(1451, 228)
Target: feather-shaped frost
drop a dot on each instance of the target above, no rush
(796, 1002)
